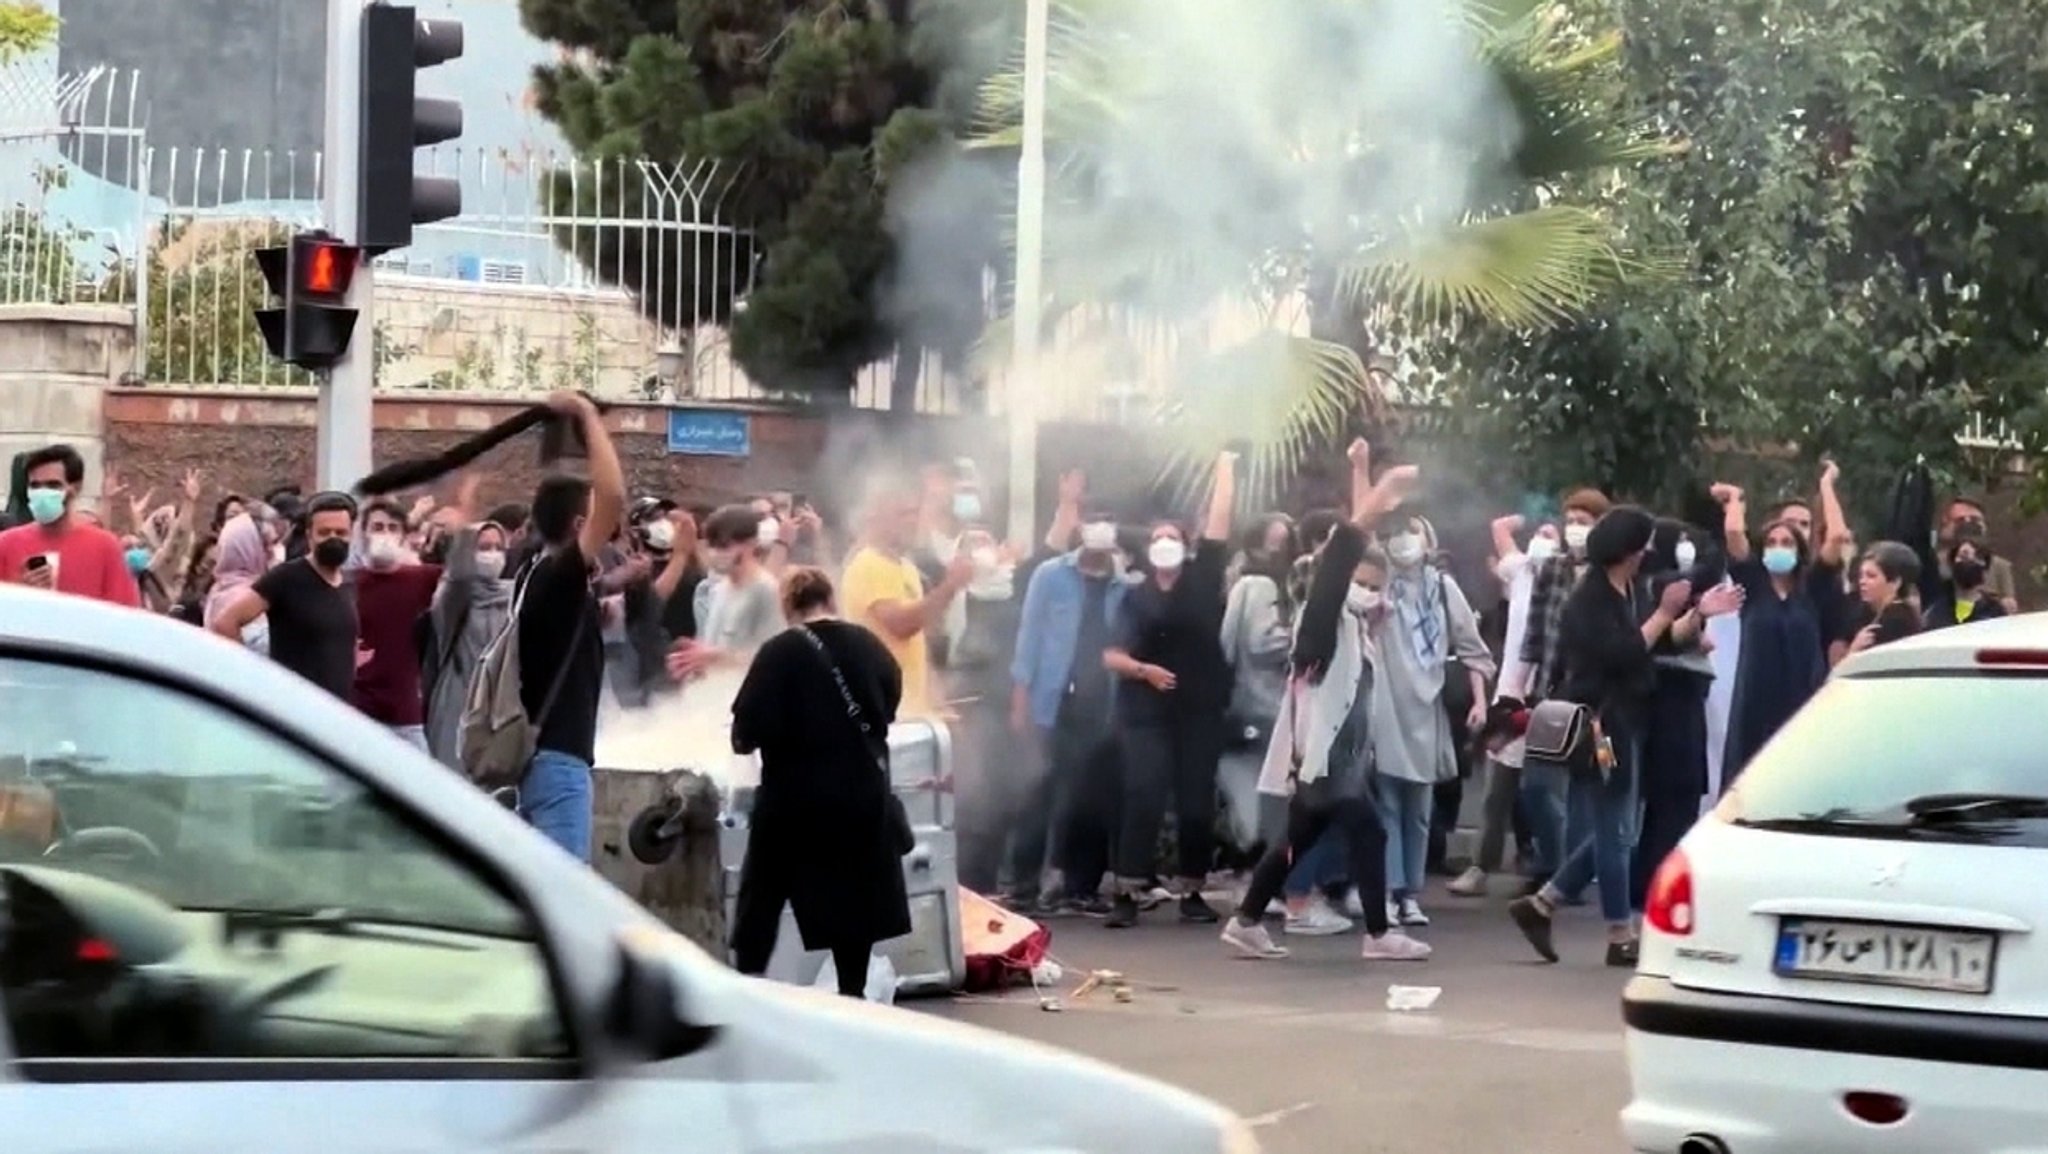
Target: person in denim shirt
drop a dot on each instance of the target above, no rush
(1061, 692)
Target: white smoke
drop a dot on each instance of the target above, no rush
(692, 730)
(1228, 144)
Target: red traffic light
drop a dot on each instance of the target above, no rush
(314, 266)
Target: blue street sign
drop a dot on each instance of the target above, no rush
(709, 433)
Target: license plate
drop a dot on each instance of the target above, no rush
(1919, 957)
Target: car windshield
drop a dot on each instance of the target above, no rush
(1941, 758)
(209, 811)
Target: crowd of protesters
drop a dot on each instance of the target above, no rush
(1331, 665)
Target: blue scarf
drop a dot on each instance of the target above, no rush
(1419, 606)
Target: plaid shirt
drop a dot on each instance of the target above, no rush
(1548, 589)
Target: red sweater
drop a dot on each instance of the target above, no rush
(388, 606)
(90, 560)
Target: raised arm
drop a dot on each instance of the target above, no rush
(1734, 521)
(1834, 525)
(1222, 499)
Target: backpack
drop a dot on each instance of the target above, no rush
(496, 739)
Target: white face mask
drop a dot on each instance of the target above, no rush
(1575, 536)
(1361, 600)
(490, 565)
(384, 549)
(1405, 549)
(1167, 554)
(661, 534)
(1098, 536)
(1542, 548)
(770, 532)
(1685, 554)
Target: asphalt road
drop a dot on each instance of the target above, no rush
(1515, 1055)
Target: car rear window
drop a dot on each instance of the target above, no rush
(1865, 746)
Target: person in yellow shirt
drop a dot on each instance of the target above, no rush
(882, 590)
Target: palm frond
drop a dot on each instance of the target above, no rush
(1524, 269)
(1284, 396)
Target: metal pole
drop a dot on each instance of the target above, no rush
(1021, 396)
(345, 398)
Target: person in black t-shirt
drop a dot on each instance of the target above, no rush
(561, 657)
(311, 607)
(1176, 683)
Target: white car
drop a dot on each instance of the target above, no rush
(1847, 956)
(256, 922)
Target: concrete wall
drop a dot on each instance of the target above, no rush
(56, 365)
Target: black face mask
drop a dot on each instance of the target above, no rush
(1969, 574)
(331, 553)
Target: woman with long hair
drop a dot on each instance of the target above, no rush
(825, 836)
(1321, 748)
(1785, 625)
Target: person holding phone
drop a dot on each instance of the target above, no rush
(59, 549)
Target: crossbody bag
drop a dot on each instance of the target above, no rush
(894, 815)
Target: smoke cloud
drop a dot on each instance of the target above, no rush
(1209, 158)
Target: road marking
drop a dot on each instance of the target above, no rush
(1275, 1117)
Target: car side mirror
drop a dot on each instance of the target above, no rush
(645, 1017)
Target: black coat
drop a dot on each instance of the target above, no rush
(820, 830)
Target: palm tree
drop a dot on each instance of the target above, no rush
(1266, 196)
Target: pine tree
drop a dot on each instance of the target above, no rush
(806, 106)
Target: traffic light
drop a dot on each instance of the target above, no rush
(390, 199)
(310, 325)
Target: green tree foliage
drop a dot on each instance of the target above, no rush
(1860, 207)
(25, 27)
(808, 108)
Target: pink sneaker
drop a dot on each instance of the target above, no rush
(1251, 939)
(1394, 946)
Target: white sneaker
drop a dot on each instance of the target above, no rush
(1317, 920)
(1470, 884)
(1276, 909)
(1394, 946)
(1353, 908)
(1411, 913)
(1393, 912)
(1250, 939)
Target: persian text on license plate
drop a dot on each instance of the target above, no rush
(1920, 957)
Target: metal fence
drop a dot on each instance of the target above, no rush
(619, 277)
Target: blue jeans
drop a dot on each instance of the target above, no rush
(1405, 808)
(1322, 867)
(555, 799)
(1603, 816)
(1543, 799)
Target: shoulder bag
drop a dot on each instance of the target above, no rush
(895, 816)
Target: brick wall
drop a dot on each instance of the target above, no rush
(249, 444)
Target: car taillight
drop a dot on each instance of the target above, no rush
(1668, 905)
